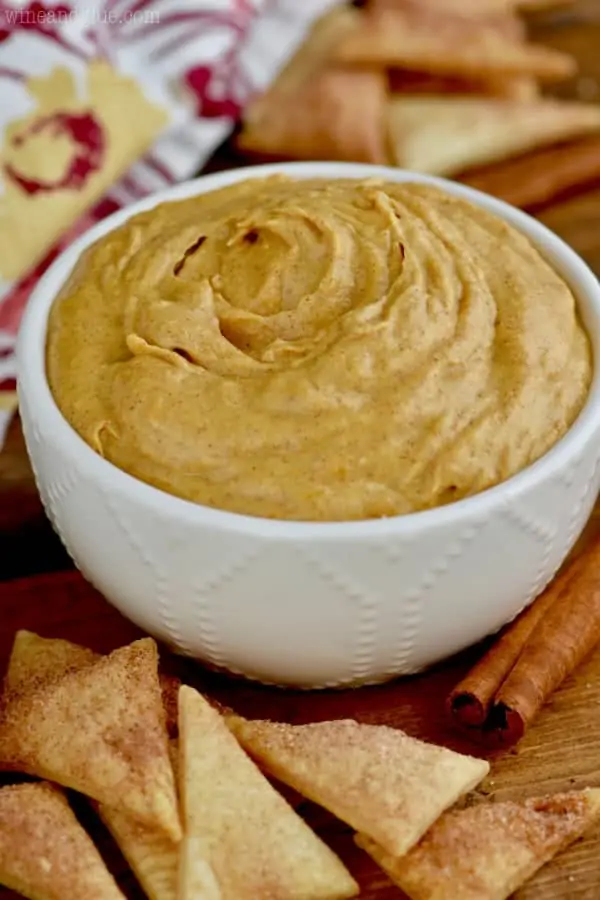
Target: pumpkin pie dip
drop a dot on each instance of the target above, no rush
(318, 350)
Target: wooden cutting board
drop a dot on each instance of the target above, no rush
(561, 752)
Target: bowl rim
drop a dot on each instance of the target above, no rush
(32, 381)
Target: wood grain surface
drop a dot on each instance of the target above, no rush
(561, 751)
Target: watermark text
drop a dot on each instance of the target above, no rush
(29, 18)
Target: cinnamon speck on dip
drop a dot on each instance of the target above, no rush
(318, 350)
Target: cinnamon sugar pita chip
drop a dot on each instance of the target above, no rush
(443, 136)
(314, 110)
(487, 851)
(422, 39)
(44, 852)
(240, 836)
(336, 115)
(377, 779)
(35, 659)
(100, 730)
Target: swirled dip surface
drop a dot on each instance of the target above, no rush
(318, 350)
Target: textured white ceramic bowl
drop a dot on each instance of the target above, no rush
(312, 605)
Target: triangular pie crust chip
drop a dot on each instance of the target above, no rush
(35, 659)
(238, 827)
(444, 135)
(428, 41)
(44, 851)
(99, 730)
(377, 779)
(313, 110)
(337, 115)
(487, 851)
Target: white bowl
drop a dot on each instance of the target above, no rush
(311, 604)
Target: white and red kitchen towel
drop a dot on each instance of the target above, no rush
(105, 101)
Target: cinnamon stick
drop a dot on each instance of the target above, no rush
(470, 701)
(507, 688)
